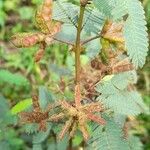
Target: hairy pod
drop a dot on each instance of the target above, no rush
(38, 56)
(122, 66)
(27, 39)
(44, 20)
(40, 53)
(113, 32)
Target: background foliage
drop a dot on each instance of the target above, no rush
(16, 16)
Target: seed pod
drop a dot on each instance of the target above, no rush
(43, 16)
(96, 64)
(122, 66)
(38, 56)
(47, 9)
(56, 27)
(27, 39)
(113, 31)
(44, 21)
(40, 53)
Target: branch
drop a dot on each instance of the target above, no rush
(90, 39)
(66, 42)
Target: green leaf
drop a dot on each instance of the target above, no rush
(45, 97)
(21, 106)
(51, 146)
(105, 6)
(93, 48)
(31, 128)
(93, 21)
(119, 10)
(4, 107)
(63, 144)
(37, 147)
(64, 35)
(116, 96)
(134, 143)
(135, 30)
(109, 137)
(61, 71)
(65, 12)
(40, 137)
(11, 78)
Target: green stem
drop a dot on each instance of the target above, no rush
(78, 44)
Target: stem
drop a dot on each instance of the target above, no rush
(77, 45)
(70, 144)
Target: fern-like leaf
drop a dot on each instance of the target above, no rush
(135, 31)
(105, 6)
(40, 137)
(135, 143)
(65, 12)
(109, 137)
(118, 98)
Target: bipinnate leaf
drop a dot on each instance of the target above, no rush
(135, 30)
(120, 99)
(109, 137)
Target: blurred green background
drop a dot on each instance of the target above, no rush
(15, 84)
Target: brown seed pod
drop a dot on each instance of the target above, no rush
(43, 16)
(27, 39)
(38, 56)
(113, 31)
(40, 53)
(96, 64)
(122, 66)
(44, 21)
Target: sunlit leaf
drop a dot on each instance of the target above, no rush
(21, 106)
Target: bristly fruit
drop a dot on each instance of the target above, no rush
(48, 28)
(27, 39)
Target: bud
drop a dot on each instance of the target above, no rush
(27, 39)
